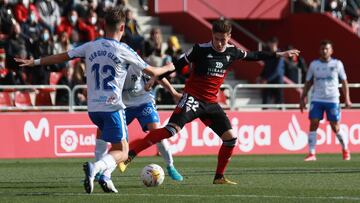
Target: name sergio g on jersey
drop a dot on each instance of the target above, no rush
(107, 62)
(209, 69)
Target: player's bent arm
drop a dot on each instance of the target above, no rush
(157, 71)
(47, 60)
(179, 65)
(346, 92)
(166, 84)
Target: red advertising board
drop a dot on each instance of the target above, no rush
(44, 134)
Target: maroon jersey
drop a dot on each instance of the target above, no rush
(209, 70)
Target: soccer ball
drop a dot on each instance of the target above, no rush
(152, 175)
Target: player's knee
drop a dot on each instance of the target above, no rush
(230, 143)
(173, 129)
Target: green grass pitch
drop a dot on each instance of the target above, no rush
(272, 178)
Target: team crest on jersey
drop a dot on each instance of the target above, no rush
(332, 69)
(228, 58)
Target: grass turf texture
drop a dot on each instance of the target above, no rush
(273, 178)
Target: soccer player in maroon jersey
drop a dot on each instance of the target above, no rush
(210, 62)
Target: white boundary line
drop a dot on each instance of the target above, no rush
(352, 198)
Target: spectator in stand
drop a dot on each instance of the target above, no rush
(132, 32)
(308, 6)
(68, 23)
(173, 48)
(21, 10)
(295, 68)
(75, 27)
(71, 77)
(154, 43)
(15, 46)
(32, 30)
(273, 73)
(44, 47)
(6, 20)
(8, 76)
(16, 43)
(49, 14)
(336, 8)
(63, 43)
(93, 26)
(80, 79)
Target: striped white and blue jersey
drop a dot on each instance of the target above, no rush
(107, 62)
(326, 76)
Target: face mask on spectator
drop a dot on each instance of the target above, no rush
(32, 17)
(26, 3)
(73, 19)
(93, 20)
(333, 4)
(45, 36)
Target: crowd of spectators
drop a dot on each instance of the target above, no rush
(35, 28)
(345, 10)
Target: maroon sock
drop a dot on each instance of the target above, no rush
(224, 156)
(151, 138)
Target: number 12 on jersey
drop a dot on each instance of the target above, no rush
(106, 69)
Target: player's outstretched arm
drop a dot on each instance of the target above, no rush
(346, 92)
(166, 84)
(157, 71)
(47, 60)
(264, 55)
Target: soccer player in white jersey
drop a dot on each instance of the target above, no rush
(140, 105)
(107, 62)
(324, 74)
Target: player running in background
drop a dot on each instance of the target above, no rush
(140, 105)
(199, 100)
(107, 62)
(324, 74)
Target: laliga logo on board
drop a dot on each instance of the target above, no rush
(69, 140)
(294, 138)
(34, 133)
(74, 140)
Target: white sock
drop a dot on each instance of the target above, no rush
(165, 153)
(312, 142)
(100, 149)
(108, 171)
(342, 139)
(106, 162)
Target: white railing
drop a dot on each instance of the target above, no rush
(12, 89)
(298, 87)
(230, 94)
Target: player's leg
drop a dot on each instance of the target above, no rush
(186, 111)
(114, 130)
(149, 120)
(315, 115)
(217, 120)
(333, 114)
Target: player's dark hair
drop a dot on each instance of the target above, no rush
(113, 18)
(221, 26)
(326, 42)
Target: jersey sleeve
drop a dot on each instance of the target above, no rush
(341, 71)
(310, 72)
(78, 52)
(187, 58)
(134, 59)
(240, 54)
